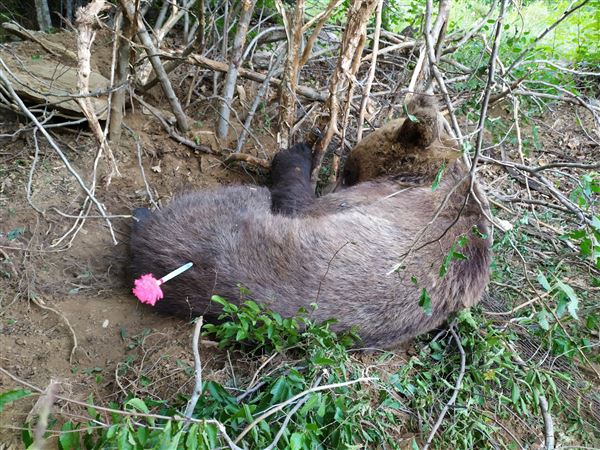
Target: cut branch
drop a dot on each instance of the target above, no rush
(161, 74)
(247, 7)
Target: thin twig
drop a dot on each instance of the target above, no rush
(289, 416)
(43, 305)
(55, 146)
(457, 387)
(296, 397)
(191, 405)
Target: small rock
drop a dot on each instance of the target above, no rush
(105, 323)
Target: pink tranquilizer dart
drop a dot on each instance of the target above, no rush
(147, 288)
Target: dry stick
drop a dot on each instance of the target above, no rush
(336, 158)
(173, 64)
(139, 157)
(488, 88)
(356, 24)
(50, 47)
(249, 159)
(457, 387)
(474, 30)
(427, 50)
(118, 97)
(56, 148)
(371, 76)
(31, 172)
(293, 411)
(218, 424)
(561, 68)
(287, 93)
(259, 96)
(159, 33)
(520, 147)
(389, 49)
(42, 305)
(86, 18)
(543, 403)
(169, 129)
(296, 397)
(189, 410)
(556, 318)
(533, 43)
(46, 401)
(547, 184)
(219, 66)
(431, 54)
(146, 40)
(322, 19)
(247, 7)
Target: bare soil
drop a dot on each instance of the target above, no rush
(81, 291)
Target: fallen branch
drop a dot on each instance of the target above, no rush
(169, 129)
(56, 148)
(295, 398)
(249, 159)
(219, 66)
(41, 304)
(51, 47)
(150, 49)
(457, 387)
(371, 76)
(86, 18)
(191, 405)
(247, 7)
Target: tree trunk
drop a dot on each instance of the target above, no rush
(351, 51)
(117, 108)
(234, 64)
(43, 15)
(293, 20)
(129, 10)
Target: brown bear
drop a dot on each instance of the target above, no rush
(338, 251)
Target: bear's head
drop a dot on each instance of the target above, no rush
(411, 149)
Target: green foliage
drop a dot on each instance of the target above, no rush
(331, 418)
(11, 396)
(495, 387)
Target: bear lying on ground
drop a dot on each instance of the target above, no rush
(336, 251)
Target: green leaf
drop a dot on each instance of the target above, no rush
(438, 178)
(279, 390)
(536, 137)
(210, 431)
(543, 281)
(516, 393)
(542, 318)
(425, 302)
(140, 405)
(596, 223)
(414, 445)
(296, 441)
(14, 234)
(11, 396)
(412, 118)
(68, 439)
(573, 304)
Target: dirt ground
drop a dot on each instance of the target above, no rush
(79, 285)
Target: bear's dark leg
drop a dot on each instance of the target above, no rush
(291, 190)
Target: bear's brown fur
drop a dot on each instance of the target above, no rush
(409, 150)
(339, 252)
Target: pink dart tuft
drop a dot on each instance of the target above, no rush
(147, 289)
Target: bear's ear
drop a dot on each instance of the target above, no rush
(422, 125)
